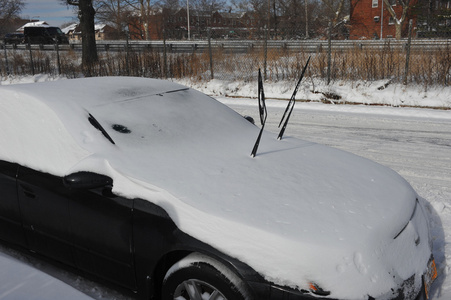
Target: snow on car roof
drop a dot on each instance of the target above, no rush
(296, 212)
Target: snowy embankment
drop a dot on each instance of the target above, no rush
(369, 93)
(381, 92)
(414, 142)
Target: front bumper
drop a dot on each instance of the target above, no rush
(407, 291)
(279, 293)
(272, 292)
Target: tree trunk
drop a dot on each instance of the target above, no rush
(398, 27)
(89, 49)
(400, 21)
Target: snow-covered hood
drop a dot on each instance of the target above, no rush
(298, 212)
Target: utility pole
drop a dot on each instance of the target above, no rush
(382, 18)
(306, 19)
(187, 13)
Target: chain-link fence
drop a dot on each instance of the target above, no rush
(419, 61)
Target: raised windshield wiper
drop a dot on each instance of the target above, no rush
(262, 110)
(290, 105)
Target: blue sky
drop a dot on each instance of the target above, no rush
(52, 11)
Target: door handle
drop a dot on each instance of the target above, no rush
(28, 192)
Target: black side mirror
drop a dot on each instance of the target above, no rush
(87, 180)
(250, 119)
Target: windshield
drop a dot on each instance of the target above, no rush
(167, 118)
(54, 31)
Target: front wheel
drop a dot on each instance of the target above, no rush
(199, 277)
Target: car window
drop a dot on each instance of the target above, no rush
(52, 31)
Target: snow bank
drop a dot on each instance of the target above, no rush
(370, 93)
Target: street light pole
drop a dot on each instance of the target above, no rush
(187, 12)
(306, 19)
(382, 17)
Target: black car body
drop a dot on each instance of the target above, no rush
(14, 38)
(114, 176)
(44, 35)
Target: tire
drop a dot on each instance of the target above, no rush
(198, 277)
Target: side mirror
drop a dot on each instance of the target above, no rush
(250, 119)
(86, 180)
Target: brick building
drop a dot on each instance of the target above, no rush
(221, 24)
(370, 19)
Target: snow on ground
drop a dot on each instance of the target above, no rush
(381, 92)
(22, 281)
(374, 93)
(414, 142)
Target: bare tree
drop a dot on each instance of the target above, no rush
(171, 5)
(204, 9)
(334, 10)
(86, 15)
(434, 18)
(116, 13)
(145, 9)
(168, 9)
(406, 5)
(9, 9)
(239, 5)
(294, 18)
(209, 6)
(260, 10)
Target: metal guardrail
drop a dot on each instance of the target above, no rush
(244, 46)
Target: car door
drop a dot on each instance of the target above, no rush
(44, 205)
(101, 224)
(89, 228)
(10, 218)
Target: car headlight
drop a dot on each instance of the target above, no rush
(315, 289)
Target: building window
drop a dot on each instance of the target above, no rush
(391, 21)
(392, 2)
(375, 3)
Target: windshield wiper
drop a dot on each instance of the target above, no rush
(97, 125)
(262, 111)
(290, 105)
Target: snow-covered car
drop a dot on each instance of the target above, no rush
(151, 185)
